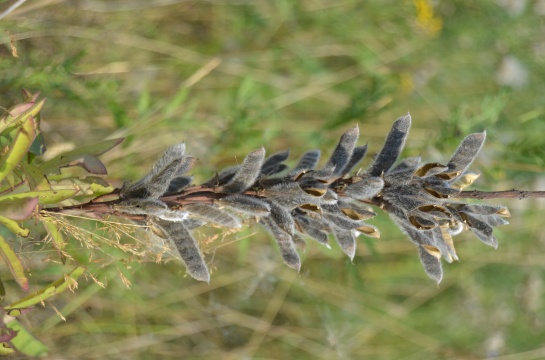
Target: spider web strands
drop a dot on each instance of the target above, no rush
(109, 233)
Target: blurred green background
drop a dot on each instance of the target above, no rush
(229, 76)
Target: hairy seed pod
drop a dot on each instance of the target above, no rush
(392, 147)
(212, 214)
(367, 188)
(308, 161)
(431, 264)
(343, 152)
(285, 243)
(247, 173)
(188, 248)
(246, 204)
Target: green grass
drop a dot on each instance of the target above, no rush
(227, 78)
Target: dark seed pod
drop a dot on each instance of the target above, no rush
(357, 155)
(366, 188)
(343, 152)
(392, 147)
(187, 247)
(308, 161)
(346, 241)
(430, 262)
(246, 204)
(285, 243)
(214, 215)
(247, 174)
(466, 153)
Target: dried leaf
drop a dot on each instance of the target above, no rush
(392, 147)
(247, 173)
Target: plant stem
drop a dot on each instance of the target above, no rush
(506, 194)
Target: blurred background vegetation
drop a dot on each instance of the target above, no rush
(229, 76)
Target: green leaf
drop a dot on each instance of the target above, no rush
(5, 349)
(44, 197)
(19, 148)
(11, 122)
(58, 240)
(2, 290)
(18, 209)
(14, 263)
(14, 227)
(35, 177)
(38, 146)
(56, 287)
(25, 342)
(84, 156)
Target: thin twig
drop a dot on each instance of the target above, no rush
(506, 194)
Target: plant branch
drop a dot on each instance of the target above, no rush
(506, 194)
